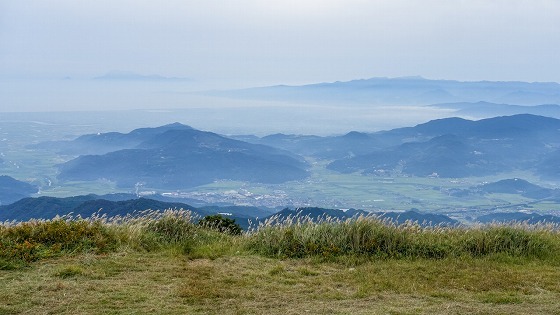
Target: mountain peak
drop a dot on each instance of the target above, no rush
(355, 135)
(177, 125)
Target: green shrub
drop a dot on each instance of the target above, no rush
(220, 224)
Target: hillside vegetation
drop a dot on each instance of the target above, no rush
(171, 262)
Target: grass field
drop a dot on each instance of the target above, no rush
(166, 283)
(167, 264)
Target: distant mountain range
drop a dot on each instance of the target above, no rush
(124, 204)
(12, 190)
(115, 205)
(486, 109)
(131, 76)
(460, 148)
(85, 206)
(173, 157)
(177, 156)
(102, 143)
(450, 147)
(521, 187)
(405, 91)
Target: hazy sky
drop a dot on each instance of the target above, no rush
(238, 43)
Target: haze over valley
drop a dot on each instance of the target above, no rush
(279, 157)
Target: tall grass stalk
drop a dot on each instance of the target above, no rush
(150, 230)
(293, 237)
(370, 236)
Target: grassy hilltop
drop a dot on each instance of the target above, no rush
(169, 263)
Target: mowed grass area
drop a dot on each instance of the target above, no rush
(164, 283)
(166, 263)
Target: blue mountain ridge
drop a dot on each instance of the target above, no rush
(177, 156)
(405, 91)
(12, 190)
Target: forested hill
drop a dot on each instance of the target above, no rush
(175, 156)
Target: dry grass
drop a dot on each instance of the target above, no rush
(103, 285)
(297, 237)
(165, 283)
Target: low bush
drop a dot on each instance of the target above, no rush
(220, 224)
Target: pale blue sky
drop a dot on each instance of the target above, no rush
(226, 43)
